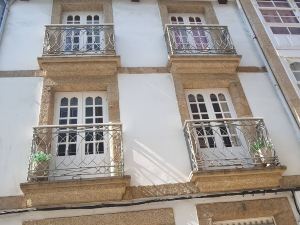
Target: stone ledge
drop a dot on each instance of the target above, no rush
(237, 179)
(208, 64)
(55, 66)
(47, 193)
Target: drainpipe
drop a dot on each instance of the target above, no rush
(270, 73)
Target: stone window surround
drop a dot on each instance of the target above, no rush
(163, 216)
(205, 81)
(278, 208)
(59, 6)
(73, 84)
(171, 6)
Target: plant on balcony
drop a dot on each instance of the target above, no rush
(40, 161)
(262, 151)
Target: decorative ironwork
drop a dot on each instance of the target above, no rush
(198, 39)
(79, 39)
(229, 143)
(76, 151)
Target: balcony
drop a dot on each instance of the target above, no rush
(79, 40)
(69, 159)
(199, 40)
(79, 49)
(196, 48)
(232, 154)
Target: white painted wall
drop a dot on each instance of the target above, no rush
(19, 108)
(265, 103)
(155, 149)
(228, 15)
(23, 36)
(139, 33)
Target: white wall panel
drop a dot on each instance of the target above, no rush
(19, 109)
(155, 149)
(23, 36)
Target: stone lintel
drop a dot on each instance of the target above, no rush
(208, 64)
(237, 179)
(51, 193)
(55, 66)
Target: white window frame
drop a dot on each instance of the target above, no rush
(272, 36)
(246, 221)
(286, 64)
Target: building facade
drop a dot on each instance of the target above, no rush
(150, 112)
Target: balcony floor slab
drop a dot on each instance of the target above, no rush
(204, 64)
(237, 179)
(55, 66)
(52, 193)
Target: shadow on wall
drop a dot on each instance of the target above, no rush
(146, 167)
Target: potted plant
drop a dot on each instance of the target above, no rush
(40, 164)
(262, 151)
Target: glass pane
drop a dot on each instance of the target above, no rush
(61, 150)
(297, 75)
(216, 107)
(98, 101)
(295, 66)
(64, 102)
(224, 107)
(196, 117)
(279, 30)
(294, 30)
(191, 98)
(89, 148)
(213, 98)
(73, 121)
(89, 101)
(221, 97)
(202, 108)
(200, 98)
(63, 112)
(89, 111)
(88, 121)
(73, 112)
(74, 101)
(62, 122)
(194, 108)
(100, 148)
(72, 149)
(98, 111)
(99, 120)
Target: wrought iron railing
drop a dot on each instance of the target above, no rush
(76, 151)
(79, 39)
(198, 40)
(229, 143)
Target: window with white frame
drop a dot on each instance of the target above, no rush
(295, 67)
(282, 18)
(258, 221)
(77, 38)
